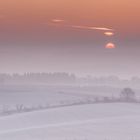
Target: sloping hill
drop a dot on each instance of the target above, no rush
(98, 121)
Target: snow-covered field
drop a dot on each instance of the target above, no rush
(110, 121)
(41, 95)
(35, 96)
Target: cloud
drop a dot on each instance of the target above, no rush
(57, 20)
(92, 28)
(107, 31)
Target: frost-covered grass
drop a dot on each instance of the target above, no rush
(117, 121)
(73, 114)
(20, 99)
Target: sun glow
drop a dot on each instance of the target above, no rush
(109, 33)
(110, 46)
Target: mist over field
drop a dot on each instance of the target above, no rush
(69, 70)
(60, 106)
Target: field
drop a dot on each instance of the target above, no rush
(112, 121)
(98, 121)
(32, 96)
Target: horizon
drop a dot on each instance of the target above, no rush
(72, 74)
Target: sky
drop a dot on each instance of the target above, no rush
(84, 37)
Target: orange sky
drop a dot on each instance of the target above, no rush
(122, 14)
(29, 37)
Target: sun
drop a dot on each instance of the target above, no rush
(110, 46)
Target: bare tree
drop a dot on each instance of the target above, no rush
(127, 94)
(19, 107)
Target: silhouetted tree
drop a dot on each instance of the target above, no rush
(127, 94)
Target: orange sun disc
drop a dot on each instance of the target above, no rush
(110, 46)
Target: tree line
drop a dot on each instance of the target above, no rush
(63, 78)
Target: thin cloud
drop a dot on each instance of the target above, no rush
(57, 20)
(62, 23)
(109, 33)
(92, 28)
